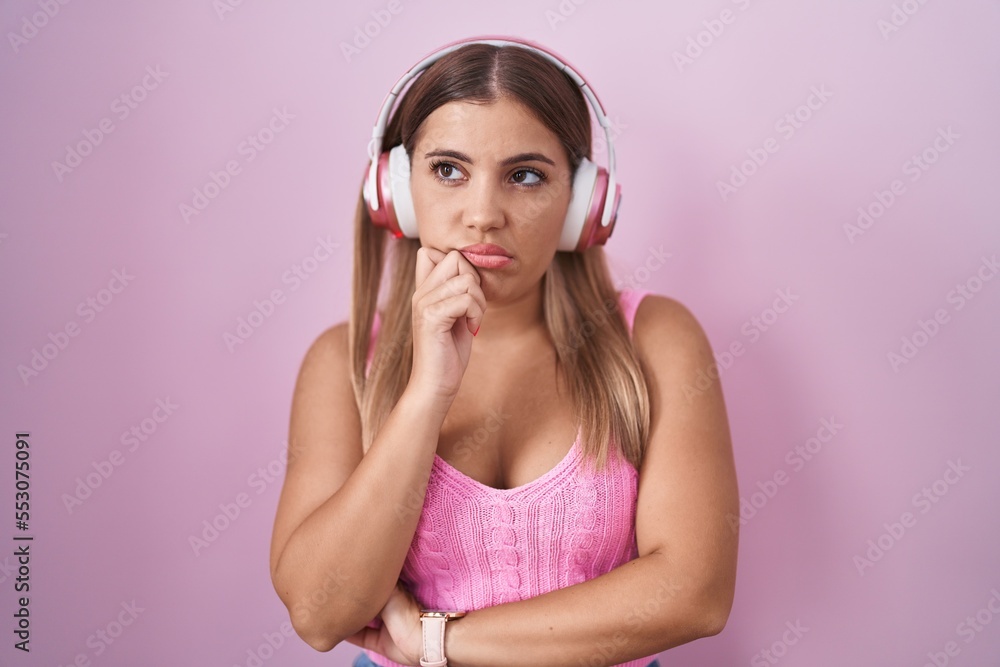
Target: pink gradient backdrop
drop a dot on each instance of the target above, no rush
(680, 131)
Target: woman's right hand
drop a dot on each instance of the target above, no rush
(448, 306)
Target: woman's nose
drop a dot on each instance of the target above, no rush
(484, 208)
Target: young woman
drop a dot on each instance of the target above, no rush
(509, 436)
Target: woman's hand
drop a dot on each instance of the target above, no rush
(448, 306)
(400, 636)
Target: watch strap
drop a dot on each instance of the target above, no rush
(433, 634)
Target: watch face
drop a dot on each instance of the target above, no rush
(441, 614)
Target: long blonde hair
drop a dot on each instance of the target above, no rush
(593, 348)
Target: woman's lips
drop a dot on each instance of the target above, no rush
(487, 261)
(486, 255)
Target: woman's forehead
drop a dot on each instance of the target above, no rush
(497, 129)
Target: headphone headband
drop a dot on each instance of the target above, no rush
(375, 143)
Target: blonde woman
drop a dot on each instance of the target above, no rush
(510, 462)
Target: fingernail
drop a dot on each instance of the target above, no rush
(477, 330)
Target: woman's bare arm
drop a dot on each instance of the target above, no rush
(345, 520)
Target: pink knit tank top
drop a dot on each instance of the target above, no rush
(477, 546)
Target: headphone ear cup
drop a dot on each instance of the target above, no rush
(593, 234)
(383, 217)
(585, 180)
(395, 205)
(582, 228)
(399, 186)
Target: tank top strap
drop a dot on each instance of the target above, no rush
(629, 299)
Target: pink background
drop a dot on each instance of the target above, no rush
(680, 131)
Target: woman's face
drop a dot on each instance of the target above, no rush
(491, 173)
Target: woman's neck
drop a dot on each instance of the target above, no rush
(509, 321)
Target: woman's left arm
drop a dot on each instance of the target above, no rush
(681, 585)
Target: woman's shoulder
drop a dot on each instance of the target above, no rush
(666, 323)
(328, 348)
(334, 336)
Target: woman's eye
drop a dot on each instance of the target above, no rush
(445, 171)
(521, 174)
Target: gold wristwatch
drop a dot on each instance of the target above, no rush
(433, 622)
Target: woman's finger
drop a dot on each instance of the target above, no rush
(465, 266)
(427, 259)
(435, 254)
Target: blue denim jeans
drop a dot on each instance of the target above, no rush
(362, 660)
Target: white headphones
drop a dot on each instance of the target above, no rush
(591, 215)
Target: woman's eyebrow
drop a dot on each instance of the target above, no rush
(520, 157)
